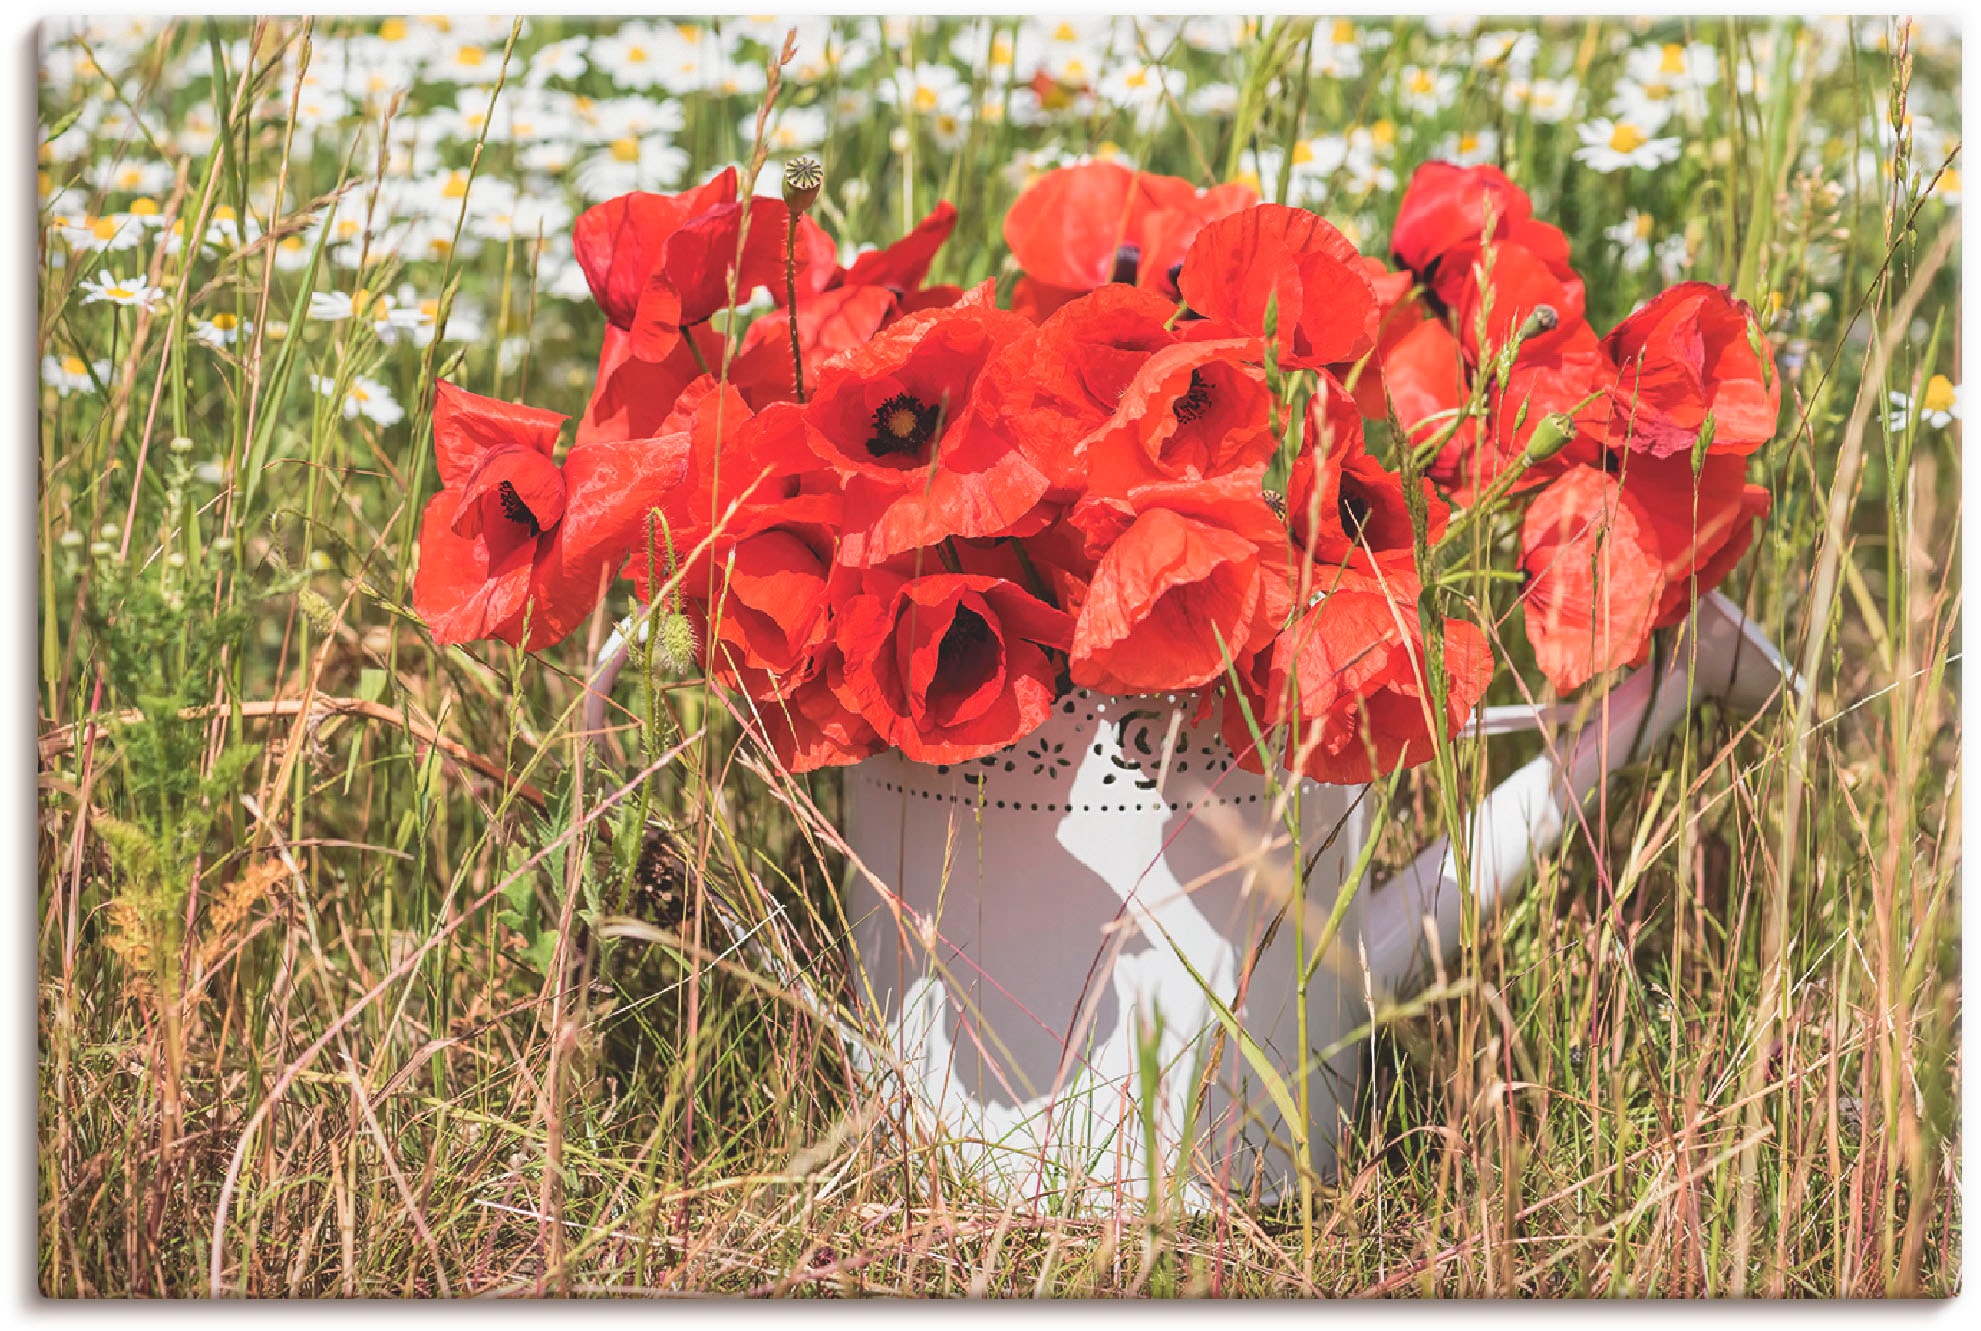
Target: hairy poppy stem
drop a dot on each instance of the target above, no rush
(791, 304)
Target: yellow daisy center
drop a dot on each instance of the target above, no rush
(1939, 394)
(1626, 138)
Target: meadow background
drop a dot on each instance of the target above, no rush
(357, 975)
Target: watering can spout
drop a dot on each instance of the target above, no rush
(1413, 919)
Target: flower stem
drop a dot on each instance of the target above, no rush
(791, 305)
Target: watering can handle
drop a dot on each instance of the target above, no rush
(1723, 656)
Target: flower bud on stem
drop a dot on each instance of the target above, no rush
(803, 178)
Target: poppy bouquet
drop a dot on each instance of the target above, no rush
(1204, 446)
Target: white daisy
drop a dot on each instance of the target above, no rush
(134, 291)
(132, 177)
(635, 56)
(469, 61)
(362, 397)
(222, 329)
(70, 374)
(630, 164)
(1470, 147)
(561, 59)
(1938, 405)
(1427, 91)
(99, 235)
(1616, 145)
(926, 89)
(791, 129)
(1633, 234)
(1675, 64)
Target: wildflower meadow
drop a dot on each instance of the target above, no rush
(569, 551)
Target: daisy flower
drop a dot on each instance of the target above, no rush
(1614, 145)
(1647, 106)
(69, 374)
(628, 164)
(561, 59)
(1470, 147)
(635, 56)
(221, 330)
(133, 291)
(1938, 405)
(1633, 234)
(1674, 64)
(362, 397)
(98, 235)
(1506, 50)
(467, 62)
(1551, 101)
(1427, 91)
(926, 89)
(1142, 89)
(132, 177)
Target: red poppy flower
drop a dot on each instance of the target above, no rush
(1704, 523)
(720, 258)
(623, 241)
(514, 539)
(1398, 314)
(1326, 303)
(758, 592)
(898, 419)
(1056, 387)
(734, 460)
(1521, 284)
(1194, 411)
(948, 666)
(1341, 693)
(1345, 508)
(631, 398)
(812, 726)
(1425, 375)
(1081, 227)
(1441, 223)
(1195, 576)
(829, 322)
(1693, 352)
(1572, 378)
(1590, 551)
(900, 267)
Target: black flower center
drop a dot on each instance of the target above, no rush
(1354, 513)
(514, 509)
(903, 425)
(1127, 264)
(1193, 404)
(967, 633)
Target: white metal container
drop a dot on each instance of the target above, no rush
(1056, 940)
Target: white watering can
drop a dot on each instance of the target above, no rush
(1055, 941)
(1055, 937)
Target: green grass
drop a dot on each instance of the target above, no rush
(359, 976)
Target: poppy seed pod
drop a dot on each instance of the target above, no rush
(804, 177)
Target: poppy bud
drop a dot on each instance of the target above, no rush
(1551, 435)
(803, 178)
(675, 643)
